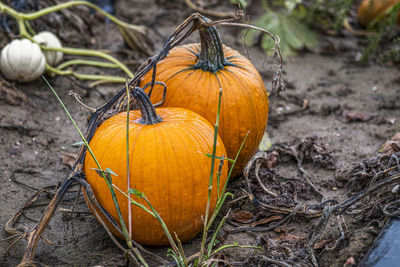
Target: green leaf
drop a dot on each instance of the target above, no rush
(250, 35)
(293, 34)
(267, 44)
(111, 172)
(107, 173)
(292, 4)
(241, 3)
(273, 26)
(288, 36)
(72, 145)
(217, 157)
(308, 37)
(136, 193)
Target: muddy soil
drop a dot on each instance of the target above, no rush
(34, 129)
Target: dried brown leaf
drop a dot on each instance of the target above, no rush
(391, 146)
(351, 116)
(272, 159)
(242, 216)
(289, 238)
(280, 230)
(137, 40)
(68, 159)
(321, 244)
(267, 220)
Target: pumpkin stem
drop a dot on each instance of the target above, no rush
(211, 56)
(149, 114)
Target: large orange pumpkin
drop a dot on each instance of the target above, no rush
(369, 10)
(194, 73)
(167, 163)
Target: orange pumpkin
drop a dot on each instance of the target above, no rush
(194, 73)
(167, 163)
(369, 10)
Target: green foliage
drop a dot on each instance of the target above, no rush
(177, 259)
(218, 157)
(384, 39)
(80, 143)
(393, 53)
(286, 24)
(330, 13)
(291, 4)
(241, 3)
(136, 192)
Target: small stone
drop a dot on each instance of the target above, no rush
(395, 189)
(350, 261)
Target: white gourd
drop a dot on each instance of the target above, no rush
(22, 61)
(49, 39)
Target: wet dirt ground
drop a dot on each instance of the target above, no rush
(351, 111)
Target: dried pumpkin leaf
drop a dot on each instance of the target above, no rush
(136, 38)
(321, 244)
(352, 116)
(391, 146)
(242, 216)
(68, 159)
(290, 238)
(266, 220)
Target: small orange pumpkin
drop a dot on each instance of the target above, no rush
(369, 10)
(194, 73)
(167, 163)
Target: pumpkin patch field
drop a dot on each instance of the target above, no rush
(198, 132)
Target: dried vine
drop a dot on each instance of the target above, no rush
(369, 183)
(115, 105)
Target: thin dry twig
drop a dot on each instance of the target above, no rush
(80, 101)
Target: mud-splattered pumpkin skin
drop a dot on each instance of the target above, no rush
(167, 163)
(194, 73)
